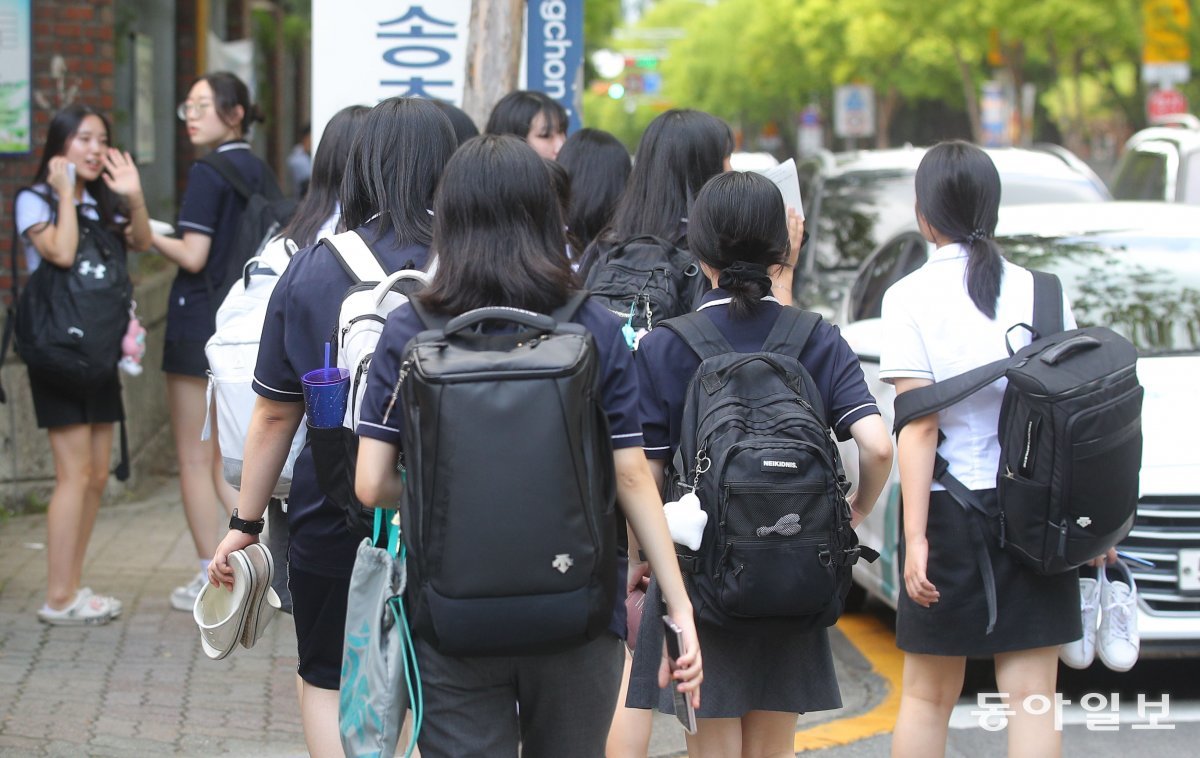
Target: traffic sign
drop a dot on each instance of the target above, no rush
(1165, 102)
(854, 111)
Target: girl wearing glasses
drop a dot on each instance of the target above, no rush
(218, 114)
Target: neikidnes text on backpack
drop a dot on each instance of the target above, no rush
(754, 448)
(512, 548)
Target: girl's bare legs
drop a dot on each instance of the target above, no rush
(101, 451)
(629, 735)
(199, 464)
(71, 446)
(931, 687)
(1024, 674)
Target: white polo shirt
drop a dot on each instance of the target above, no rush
(932, 330)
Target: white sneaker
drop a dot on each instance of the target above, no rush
(1082, 652)
(184, 598)
(1118, 640)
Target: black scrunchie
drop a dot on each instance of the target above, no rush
(742, 272)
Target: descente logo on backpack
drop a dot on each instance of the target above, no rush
(365, 306)
(509, 507)
(1070, 437)
(644, 280)
(755, 448)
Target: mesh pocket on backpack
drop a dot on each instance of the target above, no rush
(765, 512)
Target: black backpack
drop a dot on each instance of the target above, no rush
(68, 323)
(756, 450)
(645, 280)
(266, 213)
(1070, 440)
(509, 507)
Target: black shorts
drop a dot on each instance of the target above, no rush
(55, 405)
(185, 357)
(319, 610)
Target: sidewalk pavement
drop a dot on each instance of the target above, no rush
(140, 685)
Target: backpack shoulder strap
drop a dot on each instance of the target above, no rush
(791, 331)
(229, 173)
(925, 400)
(567, 310)
(356, 257)
(1047, 304)
(700, 334)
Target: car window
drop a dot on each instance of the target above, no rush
(1142, 175)
(1029, 190)
(858, 211)
(1144, 287)
(894, 261)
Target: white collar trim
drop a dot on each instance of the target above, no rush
(728, 300)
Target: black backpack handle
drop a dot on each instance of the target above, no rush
(530, 319)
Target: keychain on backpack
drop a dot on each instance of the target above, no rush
(686, 517)
(627, 330)
(133, 344)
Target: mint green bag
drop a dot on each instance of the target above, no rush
(380, 680)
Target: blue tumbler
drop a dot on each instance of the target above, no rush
(326, 391)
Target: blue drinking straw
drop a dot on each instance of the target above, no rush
(326, 356)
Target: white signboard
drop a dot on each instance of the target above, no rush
(854, 111)
(369, 50)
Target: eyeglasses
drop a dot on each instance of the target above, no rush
(194, 109)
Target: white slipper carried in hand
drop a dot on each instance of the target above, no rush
(263, 603)
(686, 520)
(221, 613)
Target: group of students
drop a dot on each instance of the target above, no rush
(413, 179)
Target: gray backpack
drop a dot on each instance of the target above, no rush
(509, 507)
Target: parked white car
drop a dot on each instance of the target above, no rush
(1134, 267)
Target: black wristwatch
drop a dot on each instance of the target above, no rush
(242, 525)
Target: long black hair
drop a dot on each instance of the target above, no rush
(329, 165)
(401, 149)
(464, 127)
(63, 127)
(679, 151)
(229, 92)
(958, 194)
(738, 227)
(497, 231)
(514, 114)
(599, 167)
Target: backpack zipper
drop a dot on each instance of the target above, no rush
(404, 368)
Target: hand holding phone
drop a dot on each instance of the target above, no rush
(684, 711)
(71, 174)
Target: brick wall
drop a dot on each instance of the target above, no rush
(81, 32)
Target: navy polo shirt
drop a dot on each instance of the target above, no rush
(211, 206)
(619, 391)
(301, 317)
(666, 365)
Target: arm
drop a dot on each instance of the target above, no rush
(874, 464)
(639, 568)
(57, 241)
(122, 177)
(377, 482)
(917, 447)
(782, 276)
(642, 505)
(268, 440)
(190, 253)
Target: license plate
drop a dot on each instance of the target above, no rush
(1189, 570)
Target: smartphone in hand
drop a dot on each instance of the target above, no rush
(71, 173)
(683, 700)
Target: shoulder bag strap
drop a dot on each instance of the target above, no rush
(229, 173)
(567, 310)
(356, 257)
(921, 402)
(1047, 304)
(791, 331)
(700, 334)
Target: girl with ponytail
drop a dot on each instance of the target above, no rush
(762, 677)
(954, 314)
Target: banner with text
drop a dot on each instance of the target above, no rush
(554, 53)
(369, 50)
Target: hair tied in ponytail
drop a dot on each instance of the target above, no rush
(975, 236)
(745, 273)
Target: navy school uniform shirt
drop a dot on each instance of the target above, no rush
(212, 207)
(666, 365)
(301, 317)
(619, 391)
